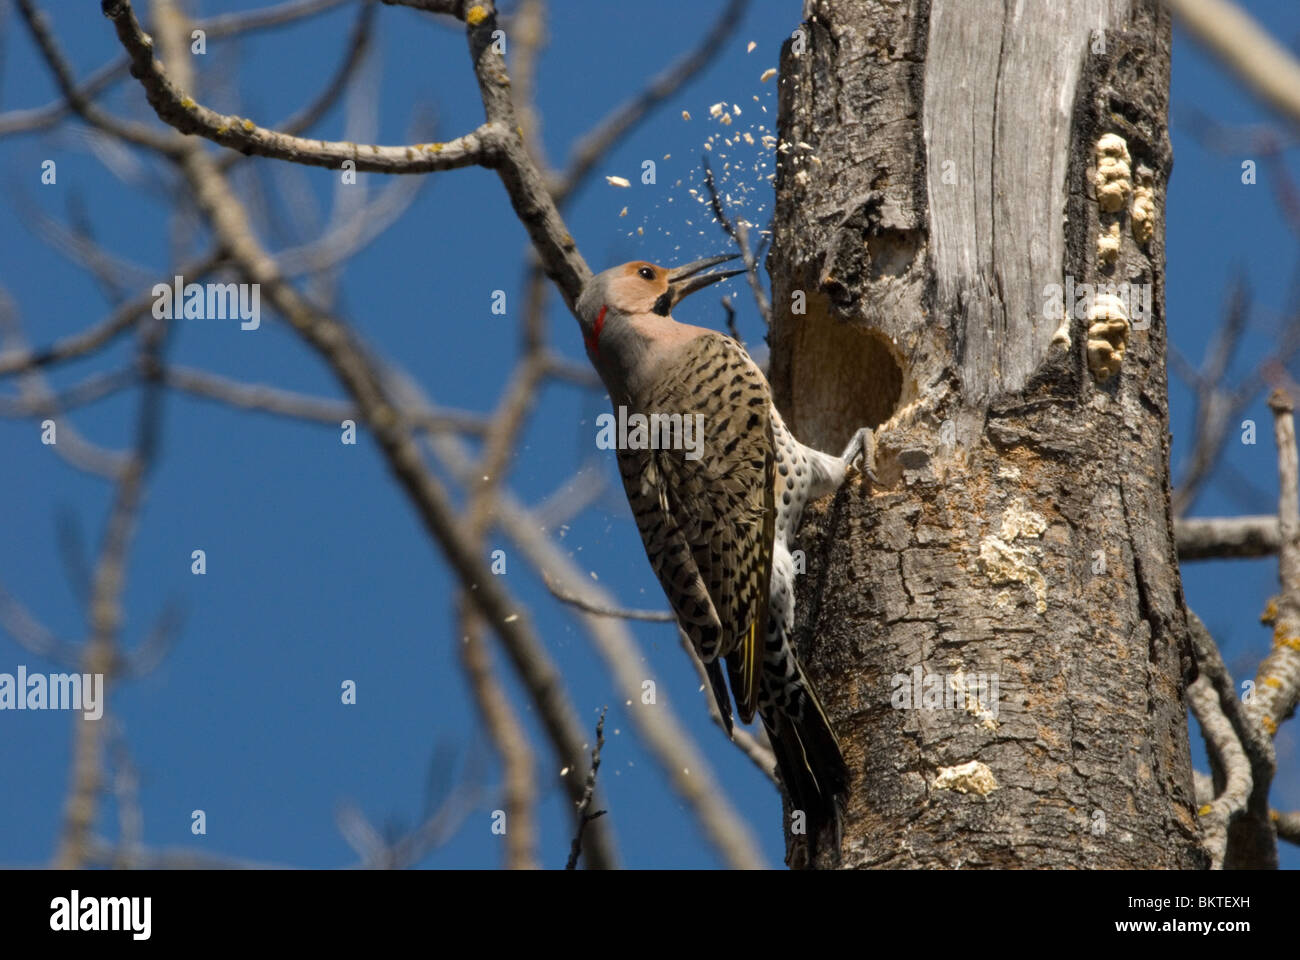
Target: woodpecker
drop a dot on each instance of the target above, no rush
(718, 528)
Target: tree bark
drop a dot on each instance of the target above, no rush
(938, 175)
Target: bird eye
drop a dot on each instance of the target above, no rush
(646, 273)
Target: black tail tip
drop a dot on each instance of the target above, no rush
(817, 786)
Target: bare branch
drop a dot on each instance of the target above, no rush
(578, 374)
(301, 406)
(508, 736)
(216, 28)
(36, 396)
(529, 193)
(40, 403)
(452, 8)
(585, 814)
(731, 319)
(1249, 835)
(1278, 679)
(1231, 764)
(249, 21)
(1216, 538)
(42, 118)
(1246, 48)
(495, 144)
(135, 133)
(101, 853)
(527, 38)
(602, 610)
(146, 656)
(31, 634)
(355, 233)
(580, 491)
(671, 745)
(336, 343)
(407, 850)
(1288, 826)
(182, 112)
(126, 797)
(100, 655)
(110, 270)
(121, 319)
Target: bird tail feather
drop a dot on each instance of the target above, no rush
(811, 764)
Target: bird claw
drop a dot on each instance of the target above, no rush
(862, 447)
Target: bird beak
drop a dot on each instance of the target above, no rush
(685, 280)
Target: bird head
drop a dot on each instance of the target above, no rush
(612, 300)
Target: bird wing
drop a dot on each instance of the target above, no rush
(708, 523)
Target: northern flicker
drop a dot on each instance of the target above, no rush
(718, 526)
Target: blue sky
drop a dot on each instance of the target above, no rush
(317, 569)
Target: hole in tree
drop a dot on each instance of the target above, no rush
(844, 376)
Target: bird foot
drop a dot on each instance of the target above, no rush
(862, 447)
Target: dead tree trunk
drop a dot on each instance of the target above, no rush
(953, 176)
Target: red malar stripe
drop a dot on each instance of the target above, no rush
(593, 341)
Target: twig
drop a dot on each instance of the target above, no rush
(451, 8)
(623, 118)
(250, 21)
(739, 232)
(101, 654)
(101, 853)
(355, 233)
(110, 270)
(731, 319)
(40, 403)
(35, 119)
(117, 322)
(36, 396)
(374, 851)
(301, 406)
(576, 494)
(601, 610)
(134, 133)
(30, 633)
(585, 814)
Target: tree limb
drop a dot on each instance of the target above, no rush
(1247, 49)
